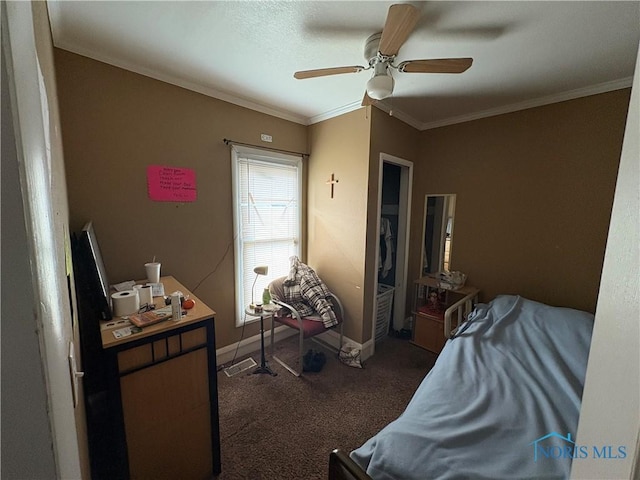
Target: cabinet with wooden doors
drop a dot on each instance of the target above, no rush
(163, 396)
(437, 311)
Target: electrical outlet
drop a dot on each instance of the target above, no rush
(266, 138)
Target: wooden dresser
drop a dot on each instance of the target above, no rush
(162, 397)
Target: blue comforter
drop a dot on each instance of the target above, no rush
(501, 402)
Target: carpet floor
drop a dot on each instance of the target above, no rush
(284, 427)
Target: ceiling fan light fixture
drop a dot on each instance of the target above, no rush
(380, 87)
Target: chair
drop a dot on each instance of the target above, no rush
(306, 326)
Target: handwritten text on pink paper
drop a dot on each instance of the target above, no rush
(171, 184)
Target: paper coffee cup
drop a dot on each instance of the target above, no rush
(153, 272)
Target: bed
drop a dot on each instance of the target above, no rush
(501, 402)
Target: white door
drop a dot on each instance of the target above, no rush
(402, 237)
(28, 57)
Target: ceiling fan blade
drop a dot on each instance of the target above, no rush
(442, 65)
(321, 72)
(401, 19)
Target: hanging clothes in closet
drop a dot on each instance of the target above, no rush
(386, 247)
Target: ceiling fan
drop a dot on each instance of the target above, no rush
(380, 51)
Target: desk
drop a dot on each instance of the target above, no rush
(163, 396)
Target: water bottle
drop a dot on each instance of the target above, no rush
(176, 307)
(266, 297)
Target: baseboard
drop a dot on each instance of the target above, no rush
(252, 344)
(330, 338)
(367, 350)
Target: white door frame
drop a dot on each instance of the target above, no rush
(402, 249)
(46, 225)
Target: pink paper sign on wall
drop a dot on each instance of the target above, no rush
(171, 184)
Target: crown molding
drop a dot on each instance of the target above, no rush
(536, 102)
(210, 92)
(399, 114)
(382, 105)
(350, 107)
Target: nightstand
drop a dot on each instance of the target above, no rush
(265, 311)
(437, 311)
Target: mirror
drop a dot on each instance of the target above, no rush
(437, 233)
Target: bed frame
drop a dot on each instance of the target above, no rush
(341, 467)
(462, 308)
(456, 313)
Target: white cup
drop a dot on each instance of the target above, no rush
(153, 272)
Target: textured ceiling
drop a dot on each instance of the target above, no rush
(525, 53)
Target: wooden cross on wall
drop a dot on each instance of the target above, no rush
(332, 181)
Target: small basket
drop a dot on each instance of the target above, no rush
(384, 302)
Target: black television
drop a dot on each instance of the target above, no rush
(94, 273)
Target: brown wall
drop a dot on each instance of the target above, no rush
(114, 124)
(337, 227)
(534, 188)
(342, 237)
(394, 137)
(534, 195)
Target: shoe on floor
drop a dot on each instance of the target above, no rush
(313, 361)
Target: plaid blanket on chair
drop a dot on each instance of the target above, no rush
(305, 292)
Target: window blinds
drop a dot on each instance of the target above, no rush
(267, 219)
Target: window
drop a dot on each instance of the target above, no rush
(267, 219)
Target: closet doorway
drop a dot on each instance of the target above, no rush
(395, 178)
